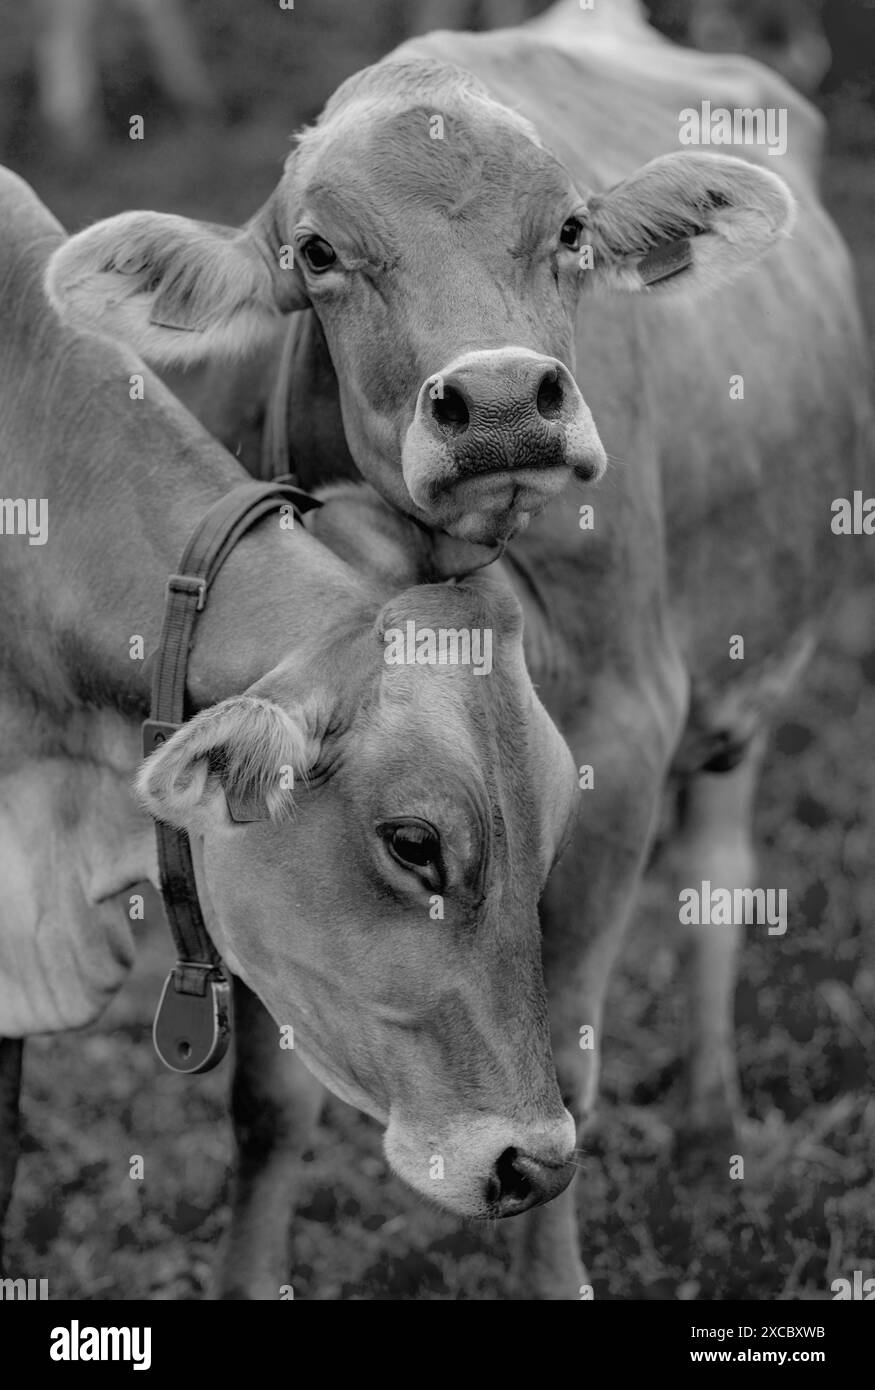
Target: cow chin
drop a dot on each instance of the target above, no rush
(479, 498)
(492, 508)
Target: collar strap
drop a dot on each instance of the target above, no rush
(193, 1023)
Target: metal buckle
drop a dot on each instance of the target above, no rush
(189, 584)
(192, 1031)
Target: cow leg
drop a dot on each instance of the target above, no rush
(547, 1262)
(275, 1104)
(67, 70)
(11, 1053)
(587, 904)
(714, 844)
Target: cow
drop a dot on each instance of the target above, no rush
(455, 354)
(384, 904)
(666, 615)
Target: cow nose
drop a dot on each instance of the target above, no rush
(509, 423)
(467, 399)
(506, 391)
(521, 1180)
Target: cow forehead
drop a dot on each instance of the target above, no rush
(484, 731)
(396, 87)
(382, 144)
(480, 602)
(392, 162)
(476, 760)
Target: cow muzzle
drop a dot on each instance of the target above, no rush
(494, 437)
(482, 1165)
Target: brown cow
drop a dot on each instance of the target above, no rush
(380, 894)
(733, 423)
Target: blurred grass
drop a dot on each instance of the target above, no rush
(652, 1225)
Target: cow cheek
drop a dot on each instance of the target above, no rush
(379, 373)
(253, 929)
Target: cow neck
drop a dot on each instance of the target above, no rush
(130, 494)
(128, 474)
(275, 589)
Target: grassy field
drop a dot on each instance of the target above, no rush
(806, 1001)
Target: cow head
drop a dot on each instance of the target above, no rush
(443, 249)
(371, 838)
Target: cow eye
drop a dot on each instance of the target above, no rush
(416, 846)
(318, 254)
(572, 231)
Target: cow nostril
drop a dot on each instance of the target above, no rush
(550, 395)
(450, 410)
(511, 1182)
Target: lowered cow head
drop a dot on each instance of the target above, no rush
(443, 249)
(371, 838)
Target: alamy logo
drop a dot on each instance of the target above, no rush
(25, 1289)
(442, 646)
(853, 516)
(75, 1343)
(861, 1289)
(727, 907)
(20, 516)
(743, 125)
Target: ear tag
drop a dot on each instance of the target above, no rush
(192, 1030)
(665, 261)
(163, 321)
(245, 810)
(165, 315)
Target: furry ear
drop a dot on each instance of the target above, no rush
(247, 748)
(177, 291)
(685, 221)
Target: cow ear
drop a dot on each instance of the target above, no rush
(237, 760)
(177, 291)
(684, 222)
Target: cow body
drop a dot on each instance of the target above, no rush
(713, 521)
(786, 34)
(299, 782)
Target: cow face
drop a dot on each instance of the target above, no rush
(444, 250)
(444, 273)
(371, 842)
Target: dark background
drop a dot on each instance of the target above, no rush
(656, 1222)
